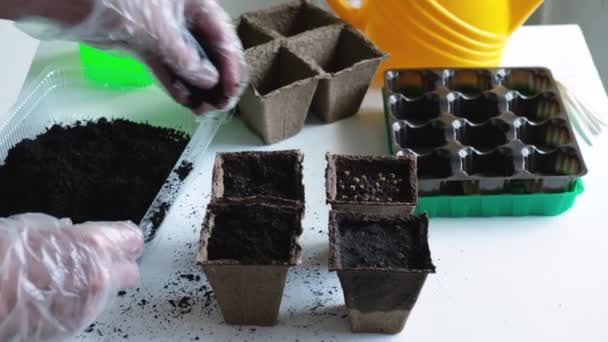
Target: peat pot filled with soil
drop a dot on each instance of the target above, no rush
(382, 263)
(274, 176)
(372, 184)
(246, 249)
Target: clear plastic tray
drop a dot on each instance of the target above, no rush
(64, 96)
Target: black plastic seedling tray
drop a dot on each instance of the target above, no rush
(483, 131)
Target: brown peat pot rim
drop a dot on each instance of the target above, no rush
(217, 186)
(295, 254)
(375, 55)
(280, 51)
(250, 34)
(299, 17)
(338, 32)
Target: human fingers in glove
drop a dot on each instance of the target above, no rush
(190, 45)
(56, 278)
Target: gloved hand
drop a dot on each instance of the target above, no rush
(202, 75)
(55, 277)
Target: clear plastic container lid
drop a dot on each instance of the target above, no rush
(65, 96)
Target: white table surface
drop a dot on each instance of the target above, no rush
(498, 279)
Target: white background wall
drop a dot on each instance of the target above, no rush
(591, 15)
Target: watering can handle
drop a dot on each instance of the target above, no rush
(355, 16)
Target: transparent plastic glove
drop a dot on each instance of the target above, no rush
(55, 277)
(190, 45)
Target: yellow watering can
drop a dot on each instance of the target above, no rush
(437, 33)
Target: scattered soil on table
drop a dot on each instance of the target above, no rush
(252, 234)
(91, 171)
(369, 181)
(267, 174)
(383, 243)
(156, 219)
(184, 169)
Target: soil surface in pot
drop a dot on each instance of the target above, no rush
(386, 243)
(252, 234)
(372, 182)
(270, 175)
(91, 171)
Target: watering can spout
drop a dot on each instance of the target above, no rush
(355, 16)
(520, 10)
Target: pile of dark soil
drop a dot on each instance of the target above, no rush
(91, 171)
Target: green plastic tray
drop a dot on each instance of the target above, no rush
(113, 68)
(541, 204)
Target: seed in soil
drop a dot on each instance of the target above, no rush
(363, 183)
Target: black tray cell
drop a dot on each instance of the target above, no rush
(527, 82)
(483, 137)
(421, 139)
(497, 163)
(435, 165)
(416, 111)
(546, 136)
(470, 82)
(475, 109)
(460, 188)
(561, 162)
(411, 84)
(524, 186)
(536, 109)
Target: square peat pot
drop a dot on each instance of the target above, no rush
(372, 184)
(382, 263)
(348, 62)
(274, 176)
(246, 249)
(291, 19)
(275, 104)
(250, 34)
